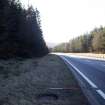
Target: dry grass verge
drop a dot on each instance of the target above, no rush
(38, 82)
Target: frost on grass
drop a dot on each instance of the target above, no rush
(23, 80)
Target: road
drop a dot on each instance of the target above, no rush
(90, 75)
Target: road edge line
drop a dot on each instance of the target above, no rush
(100, 92)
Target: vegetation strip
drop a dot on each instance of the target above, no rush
(34, 81)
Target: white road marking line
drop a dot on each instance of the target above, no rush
(88, 80)
(100, 92)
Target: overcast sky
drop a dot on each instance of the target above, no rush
(66, 19)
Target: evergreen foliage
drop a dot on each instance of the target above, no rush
(90, 42)
(20, 31)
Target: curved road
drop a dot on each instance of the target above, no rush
(90, 75)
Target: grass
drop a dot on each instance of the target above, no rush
(29, 82)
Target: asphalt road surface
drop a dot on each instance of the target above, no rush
(90, 75)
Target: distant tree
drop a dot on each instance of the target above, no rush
(99, 40)
(93, 41)
(63, 47)
(4, 11)
(89, 42)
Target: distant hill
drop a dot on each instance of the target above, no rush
(51, 45)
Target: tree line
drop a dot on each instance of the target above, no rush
(93, 41)
(20, 31)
